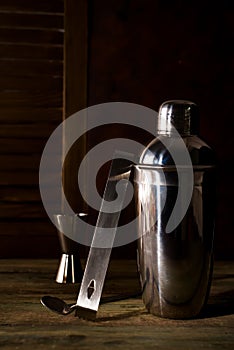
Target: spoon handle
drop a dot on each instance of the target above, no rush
(99, 255)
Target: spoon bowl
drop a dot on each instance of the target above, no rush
(57, 305)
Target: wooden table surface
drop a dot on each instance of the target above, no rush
(25, 324)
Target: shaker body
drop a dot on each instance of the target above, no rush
(175, 268)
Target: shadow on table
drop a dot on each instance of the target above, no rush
(219, 305)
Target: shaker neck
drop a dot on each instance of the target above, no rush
(177, 115)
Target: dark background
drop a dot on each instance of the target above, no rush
(143, 52)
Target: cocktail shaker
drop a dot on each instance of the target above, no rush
(175, 263)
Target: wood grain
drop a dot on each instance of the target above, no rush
(29, 6)
(45, 83)
(32, 68)
(26, 324)
(36, 51)
(45, 36)
(31, 104)
(27, 131)
(149, 54)
(75, 89)
(13, 115)
(31, 98)
(30, 20)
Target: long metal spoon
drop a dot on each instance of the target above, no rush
(61, 307)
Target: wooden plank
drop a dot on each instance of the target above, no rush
(19, 147)
(53, 6)
(12, 162)
(30, 20)
(19, 178)
(30, 98)
(75, 86)
(47, 83)
(27, 131)
(27, 51)
(20, 194)
(30, 68)
(32, 238)
(22, 178)
(27, 227)
(34, 246)
(22, 210)
(11, 114)
(51, 36)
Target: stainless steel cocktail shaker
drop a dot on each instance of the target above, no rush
(175, 265)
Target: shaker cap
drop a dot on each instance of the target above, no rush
(181, 114)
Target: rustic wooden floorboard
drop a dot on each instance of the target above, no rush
(25, 324)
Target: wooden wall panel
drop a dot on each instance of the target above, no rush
(31, 106)
(147, 52)
(143, 52)
(75, 91)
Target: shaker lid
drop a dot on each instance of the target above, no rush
(181, 114)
